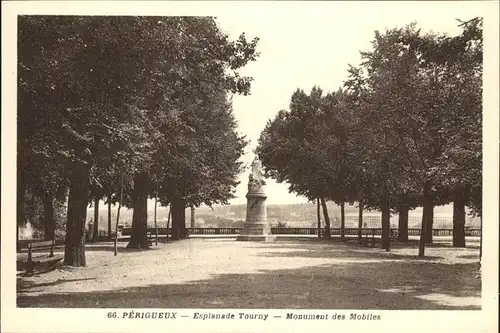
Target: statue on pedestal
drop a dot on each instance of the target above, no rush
(256, 178)
(256, 227)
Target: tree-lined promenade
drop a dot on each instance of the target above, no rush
(404, 131)
(126, 109)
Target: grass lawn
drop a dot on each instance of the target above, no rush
(224, 273)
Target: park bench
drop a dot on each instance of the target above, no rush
(370, 241)
(150, 236)
(32, 262)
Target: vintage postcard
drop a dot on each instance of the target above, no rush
(250, 166)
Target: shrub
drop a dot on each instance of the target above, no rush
(282, 225)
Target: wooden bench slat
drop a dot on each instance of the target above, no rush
(41, 260)
(34, 245)
(39, 248)
(40, 244)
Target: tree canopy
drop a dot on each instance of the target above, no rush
(145, 100)
(403, 131)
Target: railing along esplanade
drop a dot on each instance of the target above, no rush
(309, 231)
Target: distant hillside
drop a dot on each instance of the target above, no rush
(304, 215)
(299, 212)
(294, 215)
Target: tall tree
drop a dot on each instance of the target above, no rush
(196, 158)
(309, 148)
(318, 216)
(78, 94)
(457, 65)
(402, 99)
(102, 114)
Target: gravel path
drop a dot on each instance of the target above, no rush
(223, 273)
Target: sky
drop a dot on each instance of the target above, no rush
(302, 44)
(305, 45)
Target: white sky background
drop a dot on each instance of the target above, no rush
(302, 46)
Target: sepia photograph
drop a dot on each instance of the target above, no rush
(268, 166)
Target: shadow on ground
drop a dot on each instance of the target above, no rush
(121, 248)
(24, 286)
(352, 249)
(396, 283)
(347, 254)
(90, 247)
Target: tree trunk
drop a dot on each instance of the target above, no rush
(328, 234)
(109, 217)
(318, 215)
(481, 240)
(403, 222)
(386, 223)
(428, 216)
(169, 217)
(360, 222)
(421, 243)
(156, 225)
(48, 217)
(192, 217)
(139, 236)
(20, 205)
(96, 219)
(458, 219)
(179, 230)
(174, 209)
(342, 221)
(182, 221)
(427, 202)
(74, 251)
(118, 213)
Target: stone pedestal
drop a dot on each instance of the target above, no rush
(256, 227)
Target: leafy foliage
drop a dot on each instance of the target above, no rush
(406, 129)
(129, 96)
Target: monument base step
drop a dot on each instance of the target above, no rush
(256, 238)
